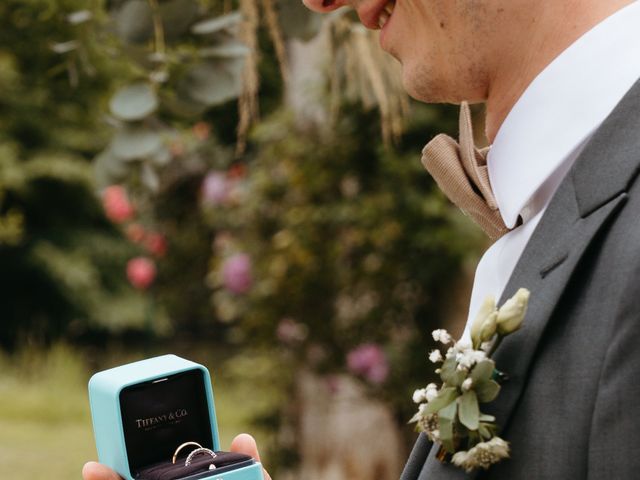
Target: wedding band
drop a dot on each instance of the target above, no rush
(185, 444)
(198, 451)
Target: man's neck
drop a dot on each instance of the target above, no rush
(565, 24)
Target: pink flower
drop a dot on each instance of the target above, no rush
(369, 361)
(290, 332)
(236, 273)
(156, 244)
(141, 272)
(116, 204)
(215, 188)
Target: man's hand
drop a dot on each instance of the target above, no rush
(243, 443)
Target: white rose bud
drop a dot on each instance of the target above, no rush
(487, 310)
(489, 327)
(511, 314)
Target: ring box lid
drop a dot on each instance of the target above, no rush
(142, 411)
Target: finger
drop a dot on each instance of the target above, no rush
(245, 443)
(96, 471)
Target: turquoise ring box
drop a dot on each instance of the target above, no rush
(142, 412)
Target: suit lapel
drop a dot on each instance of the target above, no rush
(545, 268)
(589, 196)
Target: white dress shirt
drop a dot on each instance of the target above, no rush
(545, 132)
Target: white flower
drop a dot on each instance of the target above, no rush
(442, 336)
(486, 346)
(435, 356)
(468, 358)
(467, 384)
(431, 392)
(79, 16)
(420, 395)
(483, 455)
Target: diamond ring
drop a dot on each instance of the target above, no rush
(198, 451)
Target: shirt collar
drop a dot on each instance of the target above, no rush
(561, 108)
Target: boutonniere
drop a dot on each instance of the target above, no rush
(449, 413)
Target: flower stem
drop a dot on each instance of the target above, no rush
(495, 346)
(158, 29)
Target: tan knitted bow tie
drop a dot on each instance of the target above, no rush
(460, 170)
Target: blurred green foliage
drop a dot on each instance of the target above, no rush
(61, 259)
(351, 244)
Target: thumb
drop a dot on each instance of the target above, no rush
(96, 471)
(245, 443)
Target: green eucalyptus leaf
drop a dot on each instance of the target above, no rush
(448, 412)
(109, 169)
(132, 143)
(134, 21)
(482, 371)
(469, 411)
(134, 102)
(484, 432)
(487, 391)
(149, 177)
(444, 398)
(182, 105)
(216, 24)
(415, 418)
(65, 47)
(487, 418)
(446, 420)
(450, 374)
(231, 49)
(161, 157)
(79, 16)
(213, 82)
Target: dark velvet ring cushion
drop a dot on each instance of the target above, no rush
(200, 464)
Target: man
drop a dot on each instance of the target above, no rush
(563, 116)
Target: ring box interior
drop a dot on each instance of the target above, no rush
(142, 412)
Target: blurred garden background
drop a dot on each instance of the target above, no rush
(234, 181)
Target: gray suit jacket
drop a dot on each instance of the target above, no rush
(571, 408)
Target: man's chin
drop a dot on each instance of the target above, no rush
(418, 88)
(422, 86)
